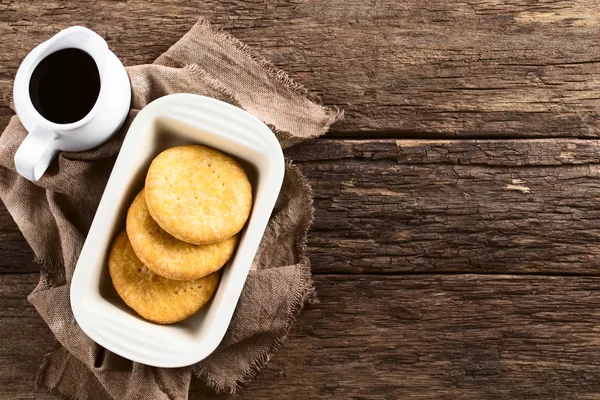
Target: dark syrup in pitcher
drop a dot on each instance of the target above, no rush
(65, 85)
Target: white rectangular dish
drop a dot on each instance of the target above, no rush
(170, 121)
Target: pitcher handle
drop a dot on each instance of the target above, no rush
(36, 152)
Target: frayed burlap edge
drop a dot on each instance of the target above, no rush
(39, 378)
(334, 114)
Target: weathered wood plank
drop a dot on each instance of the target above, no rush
(449, 337)
(15, 254)
(454, 206)
(438, 206)
(416, 337)
(469, 68)
(24, 338)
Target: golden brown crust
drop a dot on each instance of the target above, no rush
(197, 194)
(153, 297)
(170, 257)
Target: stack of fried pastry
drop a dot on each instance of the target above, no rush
(180, 231)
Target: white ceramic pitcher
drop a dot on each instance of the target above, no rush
(47, 138)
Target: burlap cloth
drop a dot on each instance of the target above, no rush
(55, 213)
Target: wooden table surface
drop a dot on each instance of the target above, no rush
(456, 243)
